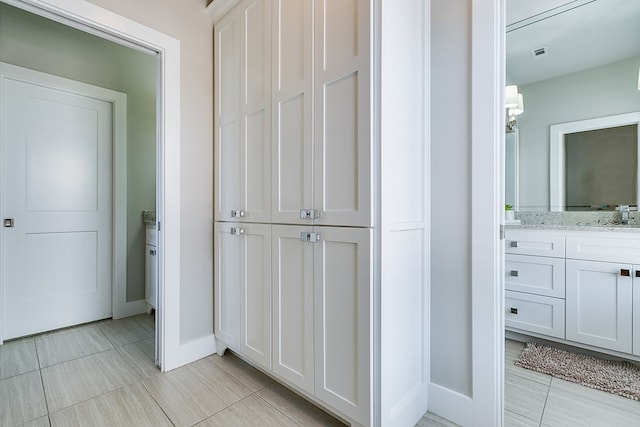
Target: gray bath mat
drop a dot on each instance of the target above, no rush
(617, 377)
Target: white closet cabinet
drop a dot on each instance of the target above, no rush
(321, 117)
(242, 90)
(242, 289)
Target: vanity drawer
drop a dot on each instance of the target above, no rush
(535, 275)
(611, 249)
(533, 313)
(534, 242)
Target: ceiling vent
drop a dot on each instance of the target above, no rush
(541, 51)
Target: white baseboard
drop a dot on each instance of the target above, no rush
(190, 352)
(451, 405)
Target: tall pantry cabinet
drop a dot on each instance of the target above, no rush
(321, 237)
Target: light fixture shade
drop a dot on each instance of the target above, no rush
(518, 109)
(511, 96)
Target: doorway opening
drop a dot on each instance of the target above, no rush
(93, 56)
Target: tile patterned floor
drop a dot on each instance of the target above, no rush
(103, 374)
(534, 399)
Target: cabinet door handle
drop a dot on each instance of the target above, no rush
(513, 244)
(637, 273)
(625, 272)
(514, 273)
(238, 213)
(514, 310)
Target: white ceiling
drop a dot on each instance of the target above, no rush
(578, 34)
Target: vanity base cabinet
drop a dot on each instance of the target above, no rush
(599, 304)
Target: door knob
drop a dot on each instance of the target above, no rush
(8, 222)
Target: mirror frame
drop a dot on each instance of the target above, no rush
(557, 151)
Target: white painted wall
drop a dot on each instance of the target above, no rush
(30, 41)
(597, 92)
(451, 195)
(188, 22)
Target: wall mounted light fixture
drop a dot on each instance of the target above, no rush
(514, 106)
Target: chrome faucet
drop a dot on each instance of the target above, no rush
(624, 214)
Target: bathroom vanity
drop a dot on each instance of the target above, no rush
(575, 285)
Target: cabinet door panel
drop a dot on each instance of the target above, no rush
(256, 111)
(227, 116)
(598, 304)
(292, 306)
(292, 103)
(227, 252)
(256, 294)
(342, 271)
(342, 183)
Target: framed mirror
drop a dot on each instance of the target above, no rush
(594, 163)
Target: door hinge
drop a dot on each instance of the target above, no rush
(501, 231)
(306, 236)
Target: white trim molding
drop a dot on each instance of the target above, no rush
(487, 177)
(218, 8)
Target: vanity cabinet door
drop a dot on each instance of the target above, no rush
(599, 304)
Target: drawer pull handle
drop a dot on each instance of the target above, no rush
(637, 273)
(513, 244)
(624, 272)
(514, 310)
(514, 273)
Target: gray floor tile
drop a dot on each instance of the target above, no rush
(39, 422)
(192, 393)
(22, 399)
(570, 404)
(295, 407)
(140, 356)
(68, 344)
(128, 330)
(17, 357)
(511, 419)
(249, 412)
(432, 420)
(249, 376)
(128, 406)
(525, 397)
(69, 383)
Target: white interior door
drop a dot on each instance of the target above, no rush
(57, 187)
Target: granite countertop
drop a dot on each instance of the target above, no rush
(621, 228)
